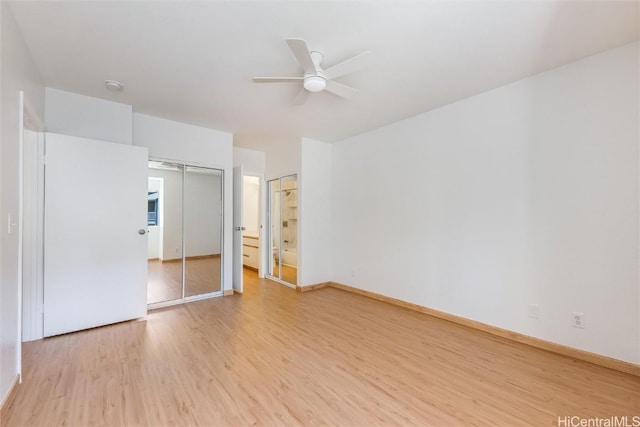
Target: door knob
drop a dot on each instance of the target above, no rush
(240, 228)
(142, 231)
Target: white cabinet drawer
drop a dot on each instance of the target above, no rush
(250, 255)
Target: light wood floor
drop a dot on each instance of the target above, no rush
(276, 357)
(289, 273)
(165, 278)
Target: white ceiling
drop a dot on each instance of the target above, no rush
(193, 61)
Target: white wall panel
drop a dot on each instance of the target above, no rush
(84, 116)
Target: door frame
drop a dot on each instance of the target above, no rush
(261, 219)
(237, 275)
(30, 254)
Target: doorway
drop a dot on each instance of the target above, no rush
(283, 230)
(251, 222)
(184, 215)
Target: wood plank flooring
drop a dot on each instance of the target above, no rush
(165, 278)
(276, 357)
(289, 273)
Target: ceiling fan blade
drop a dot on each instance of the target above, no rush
(301, 52)
(301, 97)
(277, 79)
(341, 90)
(349, 66)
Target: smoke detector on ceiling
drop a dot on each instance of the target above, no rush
(113, 85)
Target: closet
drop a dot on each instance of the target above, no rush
(184, 232)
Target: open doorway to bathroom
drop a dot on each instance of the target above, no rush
(283, 230)
(251, 222)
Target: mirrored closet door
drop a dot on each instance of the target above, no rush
(283, 229)
(184, 232)
(164, 232)
(203, 230)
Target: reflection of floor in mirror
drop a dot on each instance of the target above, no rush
(165, 278)
(289, 273)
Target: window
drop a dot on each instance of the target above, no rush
(152, 210)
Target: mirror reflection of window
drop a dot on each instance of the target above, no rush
(152, 208)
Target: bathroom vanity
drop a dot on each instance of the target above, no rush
(250, 251)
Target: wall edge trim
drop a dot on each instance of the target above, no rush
(314, 287)
(9, 397)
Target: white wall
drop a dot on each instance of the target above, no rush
(253, 161)
(527, 194)
(167, 139)
(171, 140)
(251, 204)
(202, 210)
(17, 73)
(84, 116)
(314, 213)
(283, 159)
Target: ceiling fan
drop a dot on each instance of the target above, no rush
(315, 79)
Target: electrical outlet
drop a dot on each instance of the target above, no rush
(577, 320)
(533, 311)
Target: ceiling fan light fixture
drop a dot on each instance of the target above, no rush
(314, 78)
(315, 83)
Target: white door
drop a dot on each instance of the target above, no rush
(95, 247)
(238, 228)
